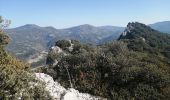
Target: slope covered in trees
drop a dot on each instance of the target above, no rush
(19, 82)
(134, 67)
(16, 77)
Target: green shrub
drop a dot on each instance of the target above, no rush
(113, 71)
(63, 44)
(146, 92)
(16, 80)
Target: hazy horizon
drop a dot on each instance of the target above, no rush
(80, 25)
(64, 14)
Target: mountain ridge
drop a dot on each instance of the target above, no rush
(163, 26)
(31, 39)
(164, 23)
(135, 66)
(143, 38)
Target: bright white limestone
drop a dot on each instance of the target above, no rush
(71, 47)
(60, 93)
(143, 39)
(54, 88)
(56, 49)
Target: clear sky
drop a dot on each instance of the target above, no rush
(66, 13)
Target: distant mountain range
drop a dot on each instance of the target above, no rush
(161, 26)
(31, 41)
(28, 41)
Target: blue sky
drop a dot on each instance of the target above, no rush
(66, 13)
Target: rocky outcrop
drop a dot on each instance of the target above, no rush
(62, 47)
(60, 93)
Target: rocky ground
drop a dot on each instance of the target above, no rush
(60, 93)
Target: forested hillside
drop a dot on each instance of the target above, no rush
(18, 81)
(31, 42)
(134, 67)
(15, 76)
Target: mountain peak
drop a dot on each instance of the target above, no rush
(129, 28)
(50, 28)
(86, 25)
(135, 29)
(28, 26)
(83, 28)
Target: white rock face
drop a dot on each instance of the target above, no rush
(55, 62)
(143, 39)
(60, 93)
(56, 49)
(71, 47)
(124, 33)
(128, 29)
(54, 88)
(72, 94)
